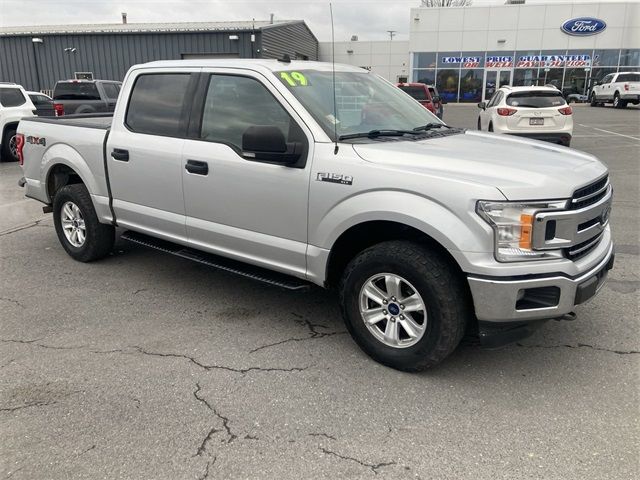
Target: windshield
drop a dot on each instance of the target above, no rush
(416, 92)
(76, 91)
(364, 102)
(536, 99)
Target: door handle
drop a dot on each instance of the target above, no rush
(120, 154)
(196, 167)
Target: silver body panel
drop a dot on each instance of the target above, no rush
(288, 220)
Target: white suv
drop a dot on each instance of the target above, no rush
(541, 113)
(14, 105)
(619, 89)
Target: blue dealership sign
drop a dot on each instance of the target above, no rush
(583, 26)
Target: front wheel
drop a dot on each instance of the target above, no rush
(479, 124)
(81, 234)
(404, 305)
(593, 100)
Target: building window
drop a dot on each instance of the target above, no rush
(525, 77)
(424, 60)
(575, 81)
(447, 84)
(425, 76)
(471, 85)
(630, 57)
(605, 58)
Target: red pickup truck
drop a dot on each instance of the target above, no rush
(427, 95)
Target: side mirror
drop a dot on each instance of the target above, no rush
(267, 143)
(482, 105)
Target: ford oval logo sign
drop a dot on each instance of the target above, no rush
(583, 26)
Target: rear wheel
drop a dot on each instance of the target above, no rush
(617, 102)
(403, 305)
(9, 146)
(79, 231)
(490, 127)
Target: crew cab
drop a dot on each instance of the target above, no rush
(426, 95)
(425, 231)
(620, 89)
(14, 105)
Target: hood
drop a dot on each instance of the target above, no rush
(522, 169)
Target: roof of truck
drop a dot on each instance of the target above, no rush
(251, 64)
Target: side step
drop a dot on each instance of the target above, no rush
(226, 264)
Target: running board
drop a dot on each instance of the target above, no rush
(228, 265)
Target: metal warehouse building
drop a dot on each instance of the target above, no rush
(37, 57)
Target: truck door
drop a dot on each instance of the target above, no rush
(254, 211)
(144, 153)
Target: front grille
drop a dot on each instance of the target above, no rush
(582, 249)
(585, 196)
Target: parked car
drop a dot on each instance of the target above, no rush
(425, 94)
(577, 98)
(540, 113)
(438, 101)
(43, 104)
(14, 105)
(424, 230)
(620, 89)
(85, 96)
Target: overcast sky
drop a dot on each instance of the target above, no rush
(369, 19)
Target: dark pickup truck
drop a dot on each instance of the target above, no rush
(85, 96)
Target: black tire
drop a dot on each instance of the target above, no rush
(592, 99)
(8, 137)
(479, 124)
(490, 129)
(445, 297)
(99, 238)
(617, 102)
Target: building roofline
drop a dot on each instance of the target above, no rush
(123, 28)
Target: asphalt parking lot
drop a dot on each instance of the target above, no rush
(148, 366)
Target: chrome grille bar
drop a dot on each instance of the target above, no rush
(591, 195)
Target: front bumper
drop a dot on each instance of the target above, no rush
(536, 297)
(561, 138)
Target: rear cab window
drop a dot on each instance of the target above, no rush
(111, 90)
(417, 92)
(156, 104)
(11, 97)
(536, 99)
(76, 91)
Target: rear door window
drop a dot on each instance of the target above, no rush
(111, 90)
(156, 104)
(11, 97)
(419, 93)
(536, 99)
(76, 91)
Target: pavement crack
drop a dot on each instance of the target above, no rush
(203, 445)
(583, 345)
(15, 302)
(225, 420)
(331, 437)
(210, 464)
(41, 345)
(313, 334)
(373, 466)
(218, 367)
(22, 227)
(26, 405)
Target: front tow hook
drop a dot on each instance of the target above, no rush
(22, 182)
(568, 317)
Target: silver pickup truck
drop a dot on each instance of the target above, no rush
(294, 174)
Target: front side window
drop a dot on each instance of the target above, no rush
(364, 102)
(11, 97)
(156, 103)
(536, 99)
(40, 99)
(234, 103)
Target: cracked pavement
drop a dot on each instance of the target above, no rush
(146, 366)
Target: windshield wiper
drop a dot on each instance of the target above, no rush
(378, 133)
(430, 126)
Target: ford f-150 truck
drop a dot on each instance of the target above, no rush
(293, 173)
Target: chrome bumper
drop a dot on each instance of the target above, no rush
(508, 300)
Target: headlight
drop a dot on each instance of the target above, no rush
(512, 223)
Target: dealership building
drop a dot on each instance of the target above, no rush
(468, 52)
